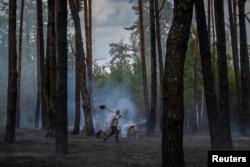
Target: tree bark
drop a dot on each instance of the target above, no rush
(159, 49)
(209, 18)
(12, 80)
(244, 62)
(152, 111)
(76, 130)
(19, 65)
(80, 57)
(173, 115)
(208, 79)
(196, 54)
(223, 78)
(61, 78)
(89, 55)
(50, 71)
(143, 60)
(234, 43)
(88, 36)
(40, 61)
(213, 38)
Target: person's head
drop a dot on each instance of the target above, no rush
(117, 112)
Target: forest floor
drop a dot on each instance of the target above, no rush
(32, 149)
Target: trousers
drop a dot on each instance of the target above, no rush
(114, 130)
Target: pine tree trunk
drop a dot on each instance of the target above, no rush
(234, 43)
(12, 80)
(173, 115)
(88, 35)
(223, 78)
(244, 62)
(196, 106)
(37, 111)
(158, 36)
(40, 61)
(90, 57)
(38, 95)
(209, 18)
(143, 59)
(61, 79)
(40, 52)
(213, 39)
(152, 111)
(81, 69)
(208, 78)
(19, 65)
(76, 130)
(50, 72)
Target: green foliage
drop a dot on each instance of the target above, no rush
(124, 70)
(166, 16)
(189, 71)
(232, 83)
(189, 79)
(119, 53)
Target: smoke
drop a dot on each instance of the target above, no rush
(114, 97)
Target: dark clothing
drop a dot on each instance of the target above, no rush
(114, 130)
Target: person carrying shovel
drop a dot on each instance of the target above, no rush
(114, 126)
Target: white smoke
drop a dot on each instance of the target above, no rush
(112, 96)
(115, 97)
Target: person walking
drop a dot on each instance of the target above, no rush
(114, 126)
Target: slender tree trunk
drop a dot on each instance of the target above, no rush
(208, 78)
(234, 42)
(159, 48)
(19, 65)
(223, 78)
(80, 57)
(88, 24)
(209, 18)
(38, 96)
(173, 115)
(143, 59)
(76, 129)
(40, 61)
(61, 79)
(202, 111)
(50, 72)
(46, 93)
(244, 62)
(12, 79)
(40, 51)
(196, 106)
(152, 111)
(213, 38)
(37, 112)
(90, 57)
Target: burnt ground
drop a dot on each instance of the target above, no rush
(32, 149)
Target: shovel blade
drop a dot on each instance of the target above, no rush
(102, 106)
